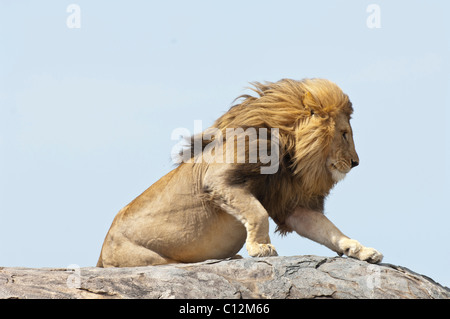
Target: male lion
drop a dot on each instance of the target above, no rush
(209, 209)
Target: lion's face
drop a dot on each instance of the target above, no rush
(342, 157)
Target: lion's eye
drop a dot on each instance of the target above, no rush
(344, 135)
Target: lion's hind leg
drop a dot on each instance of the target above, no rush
(119, 251)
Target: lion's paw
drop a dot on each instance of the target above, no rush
(353, 248)
(370, 255)
(261, 250)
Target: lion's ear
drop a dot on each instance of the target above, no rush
(310, 104)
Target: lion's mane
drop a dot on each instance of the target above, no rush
(305, 112)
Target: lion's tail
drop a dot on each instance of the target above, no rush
(100, 261)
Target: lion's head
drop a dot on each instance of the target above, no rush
(313, 117)
(342, 156)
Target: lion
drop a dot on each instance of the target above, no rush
(208, 209)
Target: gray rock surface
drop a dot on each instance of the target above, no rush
(271, 277)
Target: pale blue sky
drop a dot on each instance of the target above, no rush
(86, 115)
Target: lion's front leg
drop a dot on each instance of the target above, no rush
(247, 209)
(240, 203)
(316, 226)
(256, 221)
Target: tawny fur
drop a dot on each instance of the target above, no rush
(203, 210)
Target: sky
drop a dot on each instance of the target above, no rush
(90, 95)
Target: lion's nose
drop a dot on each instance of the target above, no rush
(354, 163)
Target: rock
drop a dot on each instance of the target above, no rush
(270, 277)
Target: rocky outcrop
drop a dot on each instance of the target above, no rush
(271, 277)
